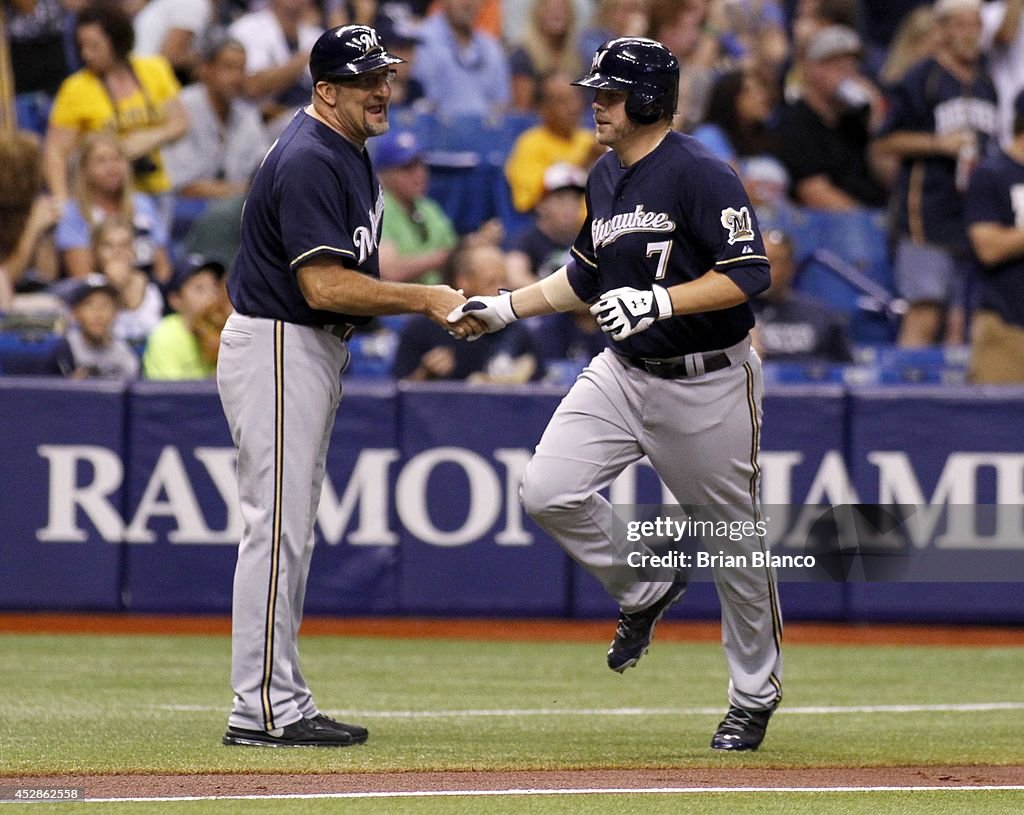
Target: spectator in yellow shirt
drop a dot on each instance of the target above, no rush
(184, 344)
(558, 138)
(135, 97)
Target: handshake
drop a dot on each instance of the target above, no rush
(620, 312)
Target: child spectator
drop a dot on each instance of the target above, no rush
(103, 187)
(184, 344)
(95, 352)
(140, 300)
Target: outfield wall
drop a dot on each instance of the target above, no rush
(124, 499)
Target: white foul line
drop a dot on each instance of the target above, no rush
(807, 710)
(513, 792)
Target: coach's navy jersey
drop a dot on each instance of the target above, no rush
(928, 206)
(668, 219)
(996, 196)
(315, 194)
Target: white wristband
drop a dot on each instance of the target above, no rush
(663, 300)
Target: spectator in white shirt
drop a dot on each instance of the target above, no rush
(227, 140)
(172, 28)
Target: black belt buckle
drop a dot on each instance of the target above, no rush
(716, 362)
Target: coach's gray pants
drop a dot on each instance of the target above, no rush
(702, 435)
(279, 384)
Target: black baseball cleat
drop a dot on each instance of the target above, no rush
(303, 733)
(742, 729)
(634, 631)
(360, 734)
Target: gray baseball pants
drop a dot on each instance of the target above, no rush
(702, 435)
(279, 384)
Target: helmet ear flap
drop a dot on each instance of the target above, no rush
(643, 113)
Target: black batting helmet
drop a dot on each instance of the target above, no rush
(348, 50)
(644, 68)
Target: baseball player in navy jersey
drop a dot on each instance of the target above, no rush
(669, 254)
(306, 273)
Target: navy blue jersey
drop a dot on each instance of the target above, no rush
(996, 196)
(929, 99)
(668, 219)
(314, 194)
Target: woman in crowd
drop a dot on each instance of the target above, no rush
(549, 43)
(135, 97)
(103, 188)
(736, 123)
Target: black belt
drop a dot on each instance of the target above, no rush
(341, 330)
(677, 369)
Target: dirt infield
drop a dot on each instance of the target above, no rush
(225, 785)
(512, 630)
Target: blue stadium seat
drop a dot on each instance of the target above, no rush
(843, 259)
(22, 355)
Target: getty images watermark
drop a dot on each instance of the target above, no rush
(677, 530)
(844, 543)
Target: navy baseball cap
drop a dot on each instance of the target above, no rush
(74, 293)
(349, 50)
(396, 148)
(395, 25)
(190, 267)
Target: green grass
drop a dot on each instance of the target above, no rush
(98, 704)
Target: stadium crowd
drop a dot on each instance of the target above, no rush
(881, 142)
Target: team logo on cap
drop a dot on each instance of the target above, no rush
(367, 39)
(738, 223)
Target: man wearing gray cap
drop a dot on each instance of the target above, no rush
(824, 135)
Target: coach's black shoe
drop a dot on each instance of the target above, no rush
(742, 729)
(634, 631)
(360, 734)
(303, 733)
